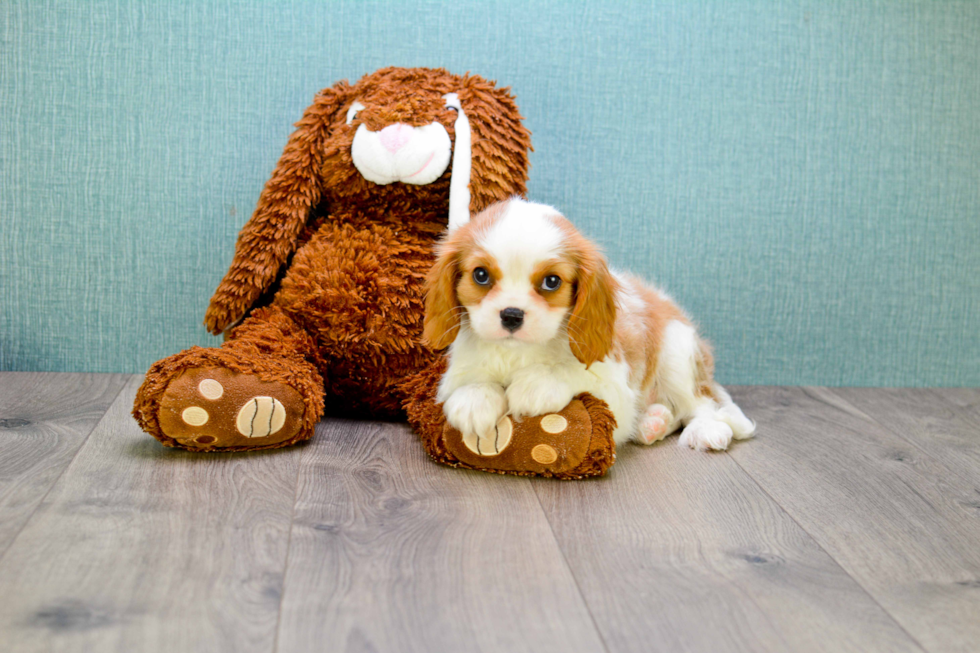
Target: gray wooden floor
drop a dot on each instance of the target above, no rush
(851, 523)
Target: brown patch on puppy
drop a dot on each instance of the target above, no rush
(641, 335)
(564, 269)
(468, 291)
(593, 319)
(442, 309)
(705, 371)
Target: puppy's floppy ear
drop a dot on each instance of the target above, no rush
(269, 237)
(593, 318)
(442, 309)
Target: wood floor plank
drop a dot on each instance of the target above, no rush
(44, 419)
(142, 548)
(679, 550)
(937, 421)
(891, 515)
(391, 552)
(966, 399)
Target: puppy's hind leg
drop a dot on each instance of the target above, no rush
(684, 374)
(705, 430)
(728, 412)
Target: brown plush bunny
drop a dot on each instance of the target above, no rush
(326, 285)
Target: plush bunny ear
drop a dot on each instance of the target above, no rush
(270, 236)
(498, 147)
(459, 185)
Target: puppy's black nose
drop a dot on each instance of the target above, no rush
(512, 318)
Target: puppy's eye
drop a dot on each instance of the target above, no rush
(481, 276)
(551, 282)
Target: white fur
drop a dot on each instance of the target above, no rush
(533, 371)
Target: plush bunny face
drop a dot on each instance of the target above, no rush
(401, 127)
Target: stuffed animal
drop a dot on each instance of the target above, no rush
(322, 306)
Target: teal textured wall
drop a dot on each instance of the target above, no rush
(803, 176)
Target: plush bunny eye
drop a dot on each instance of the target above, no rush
(551, 282)
(352, 112)
(481, 276)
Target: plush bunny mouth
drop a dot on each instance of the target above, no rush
(419, 156)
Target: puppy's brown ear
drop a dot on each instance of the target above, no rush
(593, 318)
(442, 309)
(269, 237)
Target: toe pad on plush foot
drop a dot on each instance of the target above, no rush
(566, 444)
(215, 408)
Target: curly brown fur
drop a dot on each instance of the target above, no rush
(316, 166)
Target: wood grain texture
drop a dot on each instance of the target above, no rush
(391, 552)
(44, 419)
(900, 523)
(142, 548)
(679, 550)
(942, 423)
(851, 523)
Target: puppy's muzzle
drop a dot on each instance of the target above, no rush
(512, 319)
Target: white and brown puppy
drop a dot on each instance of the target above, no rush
(533, 316)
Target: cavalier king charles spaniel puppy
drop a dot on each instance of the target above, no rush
(533, 316)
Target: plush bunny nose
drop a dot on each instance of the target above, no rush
(394, 137)
(512, 319)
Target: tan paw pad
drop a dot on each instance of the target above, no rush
(260, 417)
(493, 445)
(553, 423)
(195, 416)
(210, 389)
(544, 454)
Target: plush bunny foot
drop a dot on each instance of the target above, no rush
(212, 407)
(222, 400)
(574, 442)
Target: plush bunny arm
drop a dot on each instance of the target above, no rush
(269, 237)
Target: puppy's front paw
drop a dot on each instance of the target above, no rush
(656, 424)
(705, 433)
(534, 394)
(474, 410)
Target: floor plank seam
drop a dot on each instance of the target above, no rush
(571, 572)
(71, 462)
(813, 539)
(289, 547)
